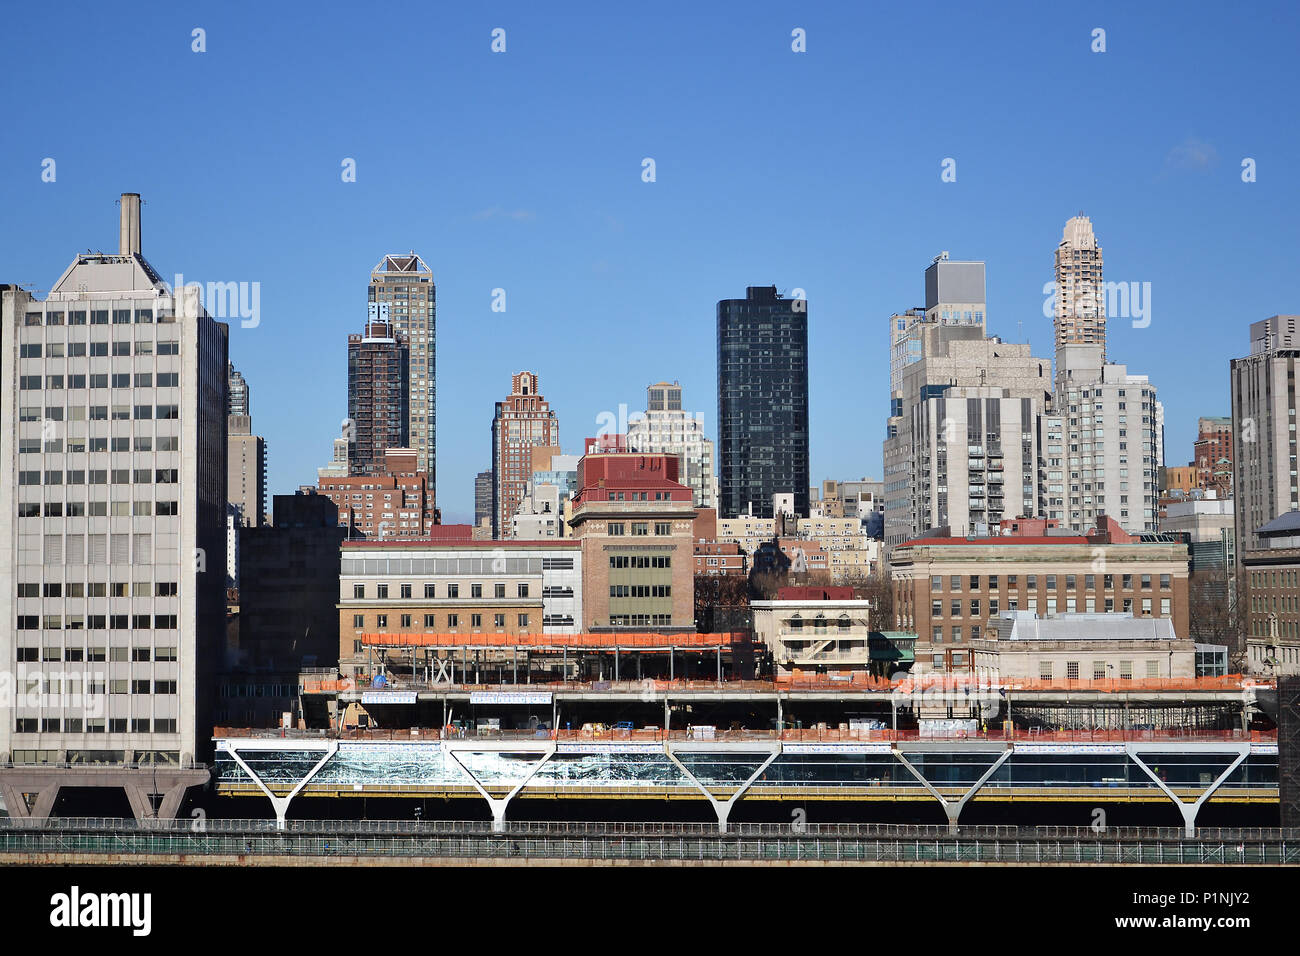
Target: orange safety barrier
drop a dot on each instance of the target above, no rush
(633, 640)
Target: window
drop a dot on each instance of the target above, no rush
(430, 621)
(499, 620)
(406, 590)
(1072, 670)
(476, 620)
(430, 591)
(381, 620)
(381, 592)
(1044, 670)
(499, 590)
(358, 620)
(358, 590)
(476, 590)
(453, 590)
(616, 527)
(663, 527)
(406, 620)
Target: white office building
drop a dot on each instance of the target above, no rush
(113, 571)
(666, 429)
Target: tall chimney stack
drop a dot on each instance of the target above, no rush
(128, 241)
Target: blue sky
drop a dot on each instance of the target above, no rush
(522, 171)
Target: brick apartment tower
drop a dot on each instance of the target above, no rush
(377, 393)
(522, 421)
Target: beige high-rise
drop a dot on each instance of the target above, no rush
(405, 284)
(1080, 299)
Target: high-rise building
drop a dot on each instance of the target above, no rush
(1080, 299)
(1263, 429)
(667, 429)
(115, 563)
(1111, 423)
(963, 446)
(245, 454)
(523, 420)
(240, 398)
(482, 497)
(246, 471)
(405, 285)
(377, 393)
(762, 400)
(1109, 420)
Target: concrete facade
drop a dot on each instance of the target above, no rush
(115, 564)
(1264, 428)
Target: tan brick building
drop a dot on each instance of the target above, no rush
(634, 521)
(949, 590)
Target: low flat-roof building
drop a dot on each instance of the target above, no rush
(1085, 647)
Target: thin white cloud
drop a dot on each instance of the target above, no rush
(1192, 153)
(497, 212)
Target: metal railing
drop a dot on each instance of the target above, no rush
(652, 842)
(794, 735)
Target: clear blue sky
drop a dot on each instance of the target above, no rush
(522, 170)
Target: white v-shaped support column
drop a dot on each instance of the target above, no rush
(1189, 810)
(723, 807)
(281, 804)
(498, 804)
(953, 810)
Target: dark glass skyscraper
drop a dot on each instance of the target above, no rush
(762, 401)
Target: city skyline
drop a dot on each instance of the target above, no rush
(564, 224)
